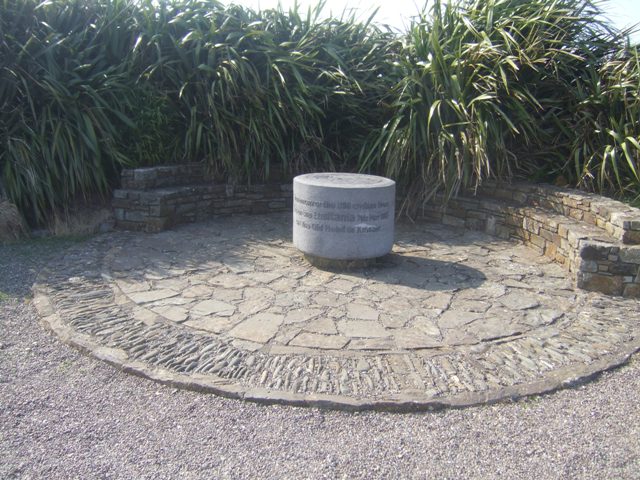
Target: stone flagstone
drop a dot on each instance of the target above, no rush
(324, 342)
(260, 328)
(487, 323)
(209, 307)
(362, 312)
(361, 328)
(152, 295)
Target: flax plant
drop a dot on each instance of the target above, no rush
(604, 140)
(488, 90)
(262, 88)
(476, 89)
(87, 87)
(63, 91)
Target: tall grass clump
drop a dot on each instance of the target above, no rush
(491, 89)
(87, 87)
(63, 93)
(257, 89)
(476, 89)
(603, 134)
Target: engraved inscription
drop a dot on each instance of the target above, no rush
(340, 217)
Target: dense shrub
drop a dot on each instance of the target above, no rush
(64, 91)
(87, 87)
(505, 87)
(603, 131)
(475, 89)
(257, 88)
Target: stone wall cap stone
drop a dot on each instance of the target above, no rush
(630, 254)
(626, 219)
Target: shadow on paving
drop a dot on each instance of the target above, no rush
(228, 240)
(417, 272)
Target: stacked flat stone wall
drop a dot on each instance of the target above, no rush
(618, 219)
(164, 176)
(596, 239)
(154, 199)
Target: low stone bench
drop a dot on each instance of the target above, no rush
(595, 238)
(156, 198)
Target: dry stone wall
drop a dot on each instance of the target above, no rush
(154, 199)
(595, 238)
(162, 177)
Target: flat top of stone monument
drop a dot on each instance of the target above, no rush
(344, 180)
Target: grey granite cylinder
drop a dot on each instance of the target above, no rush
(343, 216)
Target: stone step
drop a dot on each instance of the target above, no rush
(616, 218)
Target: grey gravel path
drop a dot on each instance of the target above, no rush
(66, 415)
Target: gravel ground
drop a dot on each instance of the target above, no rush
(65, 415)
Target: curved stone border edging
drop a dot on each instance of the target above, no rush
(564, 378)
(80, 304)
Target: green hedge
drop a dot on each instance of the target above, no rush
(87, 87)
(474, 89)
(536, 88)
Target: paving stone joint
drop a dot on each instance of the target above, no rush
(452, 317)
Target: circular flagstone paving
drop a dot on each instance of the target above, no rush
(450, 318)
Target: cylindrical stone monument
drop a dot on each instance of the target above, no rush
(343, 216)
